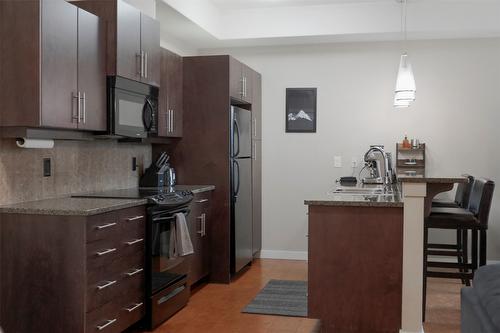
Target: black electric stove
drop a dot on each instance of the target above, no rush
(162, 196)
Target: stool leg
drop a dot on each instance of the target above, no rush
(424, 290)
(474, 251)
(465, 253)
(482, 248)
(460, 255)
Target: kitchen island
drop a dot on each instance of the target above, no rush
(366, 255)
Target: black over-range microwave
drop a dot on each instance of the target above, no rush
(132, 108)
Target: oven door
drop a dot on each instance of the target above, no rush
(133, 114)
(166, 269)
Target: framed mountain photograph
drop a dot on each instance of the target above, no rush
(300, 110)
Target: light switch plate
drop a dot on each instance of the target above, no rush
(337, 161)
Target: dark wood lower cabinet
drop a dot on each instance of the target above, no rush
(199, 226)
(355, 268)
(74, 274)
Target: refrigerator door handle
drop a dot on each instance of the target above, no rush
(236, 179)
(236, 150)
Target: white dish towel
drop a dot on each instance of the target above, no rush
(180, 241)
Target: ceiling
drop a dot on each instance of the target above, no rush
(204, 24)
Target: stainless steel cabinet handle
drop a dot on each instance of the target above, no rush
(136, 306)
(138, 217)
(146, 65)
(173, 120)
(104, 226)
(106, 285)
(254, 150)
(142, 63)
(201, 201)
(139, 56)
(135, 241)
(84, 100)
(78, 109)
(255, 127)
(201, 225)
(102, 253)
(100, 328)
(204, 223)
(138, 270)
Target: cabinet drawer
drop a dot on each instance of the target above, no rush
(167, 302)
(131, 310)
(103, 226)
(120, 265)
(128, 281)
(104, 319)
(133, 222)
(102, 253)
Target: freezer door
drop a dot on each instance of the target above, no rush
(242, 205)
(241, 132)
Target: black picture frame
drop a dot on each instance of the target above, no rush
(300, 110)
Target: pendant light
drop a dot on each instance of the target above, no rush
(405, 90)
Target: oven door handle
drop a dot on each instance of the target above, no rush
(162, 219)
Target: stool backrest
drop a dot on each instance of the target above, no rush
(480, 199)
(462, 196)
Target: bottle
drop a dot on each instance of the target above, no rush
(406, 144)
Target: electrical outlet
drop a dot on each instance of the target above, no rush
(47, 167)
(134, 163)
(337, 161)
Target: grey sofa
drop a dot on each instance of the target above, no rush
(481, 302)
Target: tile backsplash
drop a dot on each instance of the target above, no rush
(76, 167)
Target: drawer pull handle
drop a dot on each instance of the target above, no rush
(138, 270)
(106, 252)
(201, 201)
(174, 293)
(137, 305)
(138, 240)
(104, 226)
(100, 328)
(135, 218)
(107, 284)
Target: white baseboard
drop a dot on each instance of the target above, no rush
(288, 255)
(421, 331)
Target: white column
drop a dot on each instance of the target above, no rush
(413, 238)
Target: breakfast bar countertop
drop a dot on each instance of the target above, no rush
(358, 200)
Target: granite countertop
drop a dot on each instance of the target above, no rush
(71, 206)
(358, 200)
(85, 206)
(432, 180)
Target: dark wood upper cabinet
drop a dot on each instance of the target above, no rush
(150, 44)
(59, 68)
(133, 40)
(128, 57)
(91, 71)
(171, 99)
(256, 106)
(53, 57)
(240, 81)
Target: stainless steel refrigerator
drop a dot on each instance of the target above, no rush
(241, 188)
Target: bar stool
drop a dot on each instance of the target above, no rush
(462, 197)
(475, 219)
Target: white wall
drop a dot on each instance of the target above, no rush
(457, 114)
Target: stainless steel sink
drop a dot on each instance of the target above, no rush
(361, 191)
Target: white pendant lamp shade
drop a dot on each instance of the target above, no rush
(405, 84)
